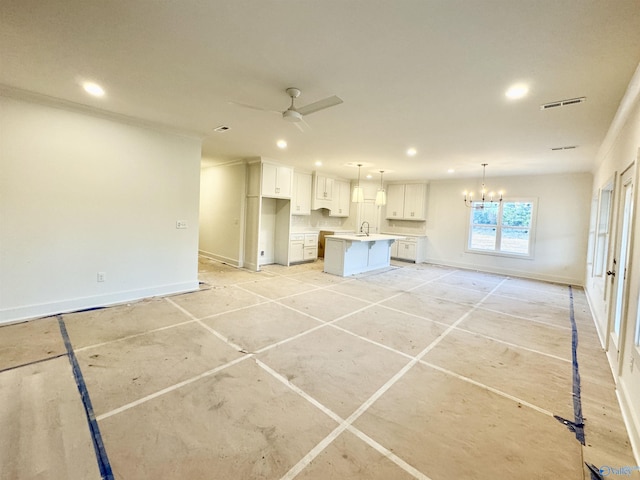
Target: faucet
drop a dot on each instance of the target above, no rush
(362, 228)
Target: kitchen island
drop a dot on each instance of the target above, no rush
(350, 254)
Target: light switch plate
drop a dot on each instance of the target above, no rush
(181, 224)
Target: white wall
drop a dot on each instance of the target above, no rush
(81, 194)
(562, 221)
(222, 210)
(620, 150)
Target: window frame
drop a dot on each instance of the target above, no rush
(499, 227)
(603, 230)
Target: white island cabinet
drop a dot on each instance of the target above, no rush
(346, 255)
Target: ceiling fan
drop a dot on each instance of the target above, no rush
(296, 114)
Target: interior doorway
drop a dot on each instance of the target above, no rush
(618, 270)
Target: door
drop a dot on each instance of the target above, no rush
(618, 270)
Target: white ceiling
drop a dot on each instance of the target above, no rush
(429, 74)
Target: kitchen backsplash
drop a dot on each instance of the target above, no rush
(318, 220)
(405, 226)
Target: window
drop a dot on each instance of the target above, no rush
(603, 228)
(504, 228)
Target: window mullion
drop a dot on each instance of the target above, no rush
(499, 228)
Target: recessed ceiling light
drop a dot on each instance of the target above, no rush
(411, 152)
(369, 176)
(516, 91)
(451, 170)
(93, 89)
(318, 163)
(281, 144)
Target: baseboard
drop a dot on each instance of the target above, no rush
(221, 258)
(27, 312)
(509, 272)
(601, 335)
(630, 420)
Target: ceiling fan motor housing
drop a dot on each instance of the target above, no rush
(291, 116)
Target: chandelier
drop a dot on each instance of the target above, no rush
(485, 197)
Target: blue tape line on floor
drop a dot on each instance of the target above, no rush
(98, 445)
(578, 422)
(594, 472)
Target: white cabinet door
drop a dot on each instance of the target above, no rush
(269, 174)
(407, 250)
(296, 252)
(413, 249)
(395, 201)
(322, 192)
(414, 201)
(406, 201)
(341, 199)
(284, 179)
(301, 204)
(324, 188)
(276, 181)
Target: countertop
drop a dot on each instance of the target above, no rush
(405, 234)
(374, 237)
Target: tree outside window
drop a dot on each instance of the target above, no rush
(504, 228)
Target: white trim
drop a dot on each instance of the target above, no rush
(579, 282)
(73, 304)
(234, 262)
(630, 420)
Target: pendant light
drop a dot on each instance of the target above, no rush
(358, 193)
(381, 195)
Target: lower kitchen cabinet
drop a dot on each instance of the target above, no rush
(303, 247)
(412, 249)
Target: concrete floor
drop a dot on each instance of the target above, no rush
(419, 371)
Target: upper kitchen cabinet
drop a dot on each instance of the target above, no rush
(341, 199)
(277, 181)
(322, 195)
(301, 198)
(406, 201)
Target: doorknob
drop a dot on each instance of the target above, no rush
(609, 272)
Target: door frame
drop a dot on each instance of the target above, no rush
(618, 300)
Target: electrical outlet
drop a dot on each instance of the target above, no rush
(102, 276)
(181, 224)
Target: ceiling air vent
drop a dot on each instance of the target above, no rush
(563, 103)
(568, 147)
(221, 128)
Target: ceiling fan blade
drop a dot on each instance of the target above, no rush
(252, 107)
(302, 126)
(320, 105)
